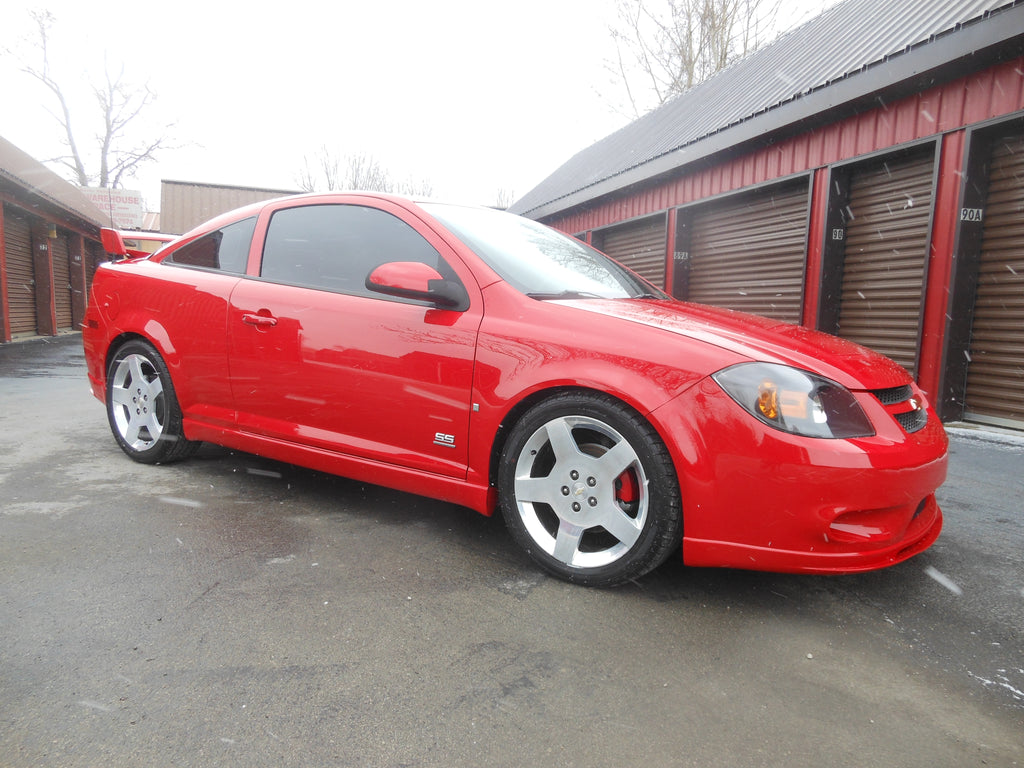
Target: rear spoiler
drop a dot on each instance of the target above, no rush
(128, 244)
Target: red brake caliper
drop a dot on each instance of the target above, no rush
(627, 490)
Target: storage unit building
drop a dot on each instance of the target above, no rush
(49, 248)
(863, 174)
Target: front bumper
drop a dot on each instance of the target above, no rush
(761, 499)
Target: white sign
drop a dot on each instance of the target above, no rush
(122, 208)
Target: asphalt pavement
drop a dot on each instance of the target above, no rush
(233, 611)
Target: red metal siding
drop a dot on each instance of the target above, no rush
(991, 93)
(944, 111)
(815, 241)
(940, 267)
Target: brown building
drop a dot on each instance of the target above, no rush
(50, 239)
(49, 248)
(187, 204)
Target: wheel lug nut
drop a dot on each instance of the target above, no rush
(565, 490)
(574, 475)
(592, 501)
(591, 481)
(576, 506)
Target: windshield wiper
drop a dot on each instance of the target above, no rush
(555, 296)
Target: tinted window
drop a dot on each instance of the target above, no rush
(335, 247)
(226, 250)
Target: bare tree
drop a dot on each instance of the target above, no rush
(361, 171)
(665, 47)
(327, 168)
(504, 199)
(120, 105)
(416, 188)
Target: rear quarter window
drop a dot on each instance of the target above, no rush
(225, 250)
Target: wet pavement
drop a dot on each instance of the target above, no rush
(231, 610)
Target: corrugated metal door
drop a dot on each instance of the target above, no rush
(995, 372)
(887, 236)
(640, 245)
(21, 290)
(749, 253)
(61, 280)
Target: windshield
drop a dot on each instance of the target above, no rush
(539, 261)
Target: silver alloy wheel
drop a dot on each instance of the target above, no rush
(569, 480)
(137, 402)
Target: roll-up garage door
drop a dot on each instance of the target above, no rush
(995, 371)
(887, 238)
(749, 253)
(21, 290)
(61, 280)
(640, 245)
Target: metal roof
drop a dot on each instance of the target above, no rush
(32, 176)
(853, 50)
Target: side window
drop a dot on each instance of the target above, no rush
(226, 250)
(335, 247)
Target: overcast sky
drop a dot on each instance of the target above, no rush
(471, 95)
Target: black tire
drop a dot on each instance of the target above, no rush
(142, 408)
(589, 490)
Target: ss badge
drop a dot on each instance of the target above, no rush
(440, 438)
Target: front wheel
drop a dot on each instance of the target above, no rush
(141, 406)
(589, 490)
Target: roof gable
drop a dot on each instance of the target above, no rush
(852, 50)
(29, 175)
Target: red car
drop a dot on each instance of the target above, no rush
(484, 359)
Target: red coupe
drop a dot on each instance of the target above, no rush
(484, 359)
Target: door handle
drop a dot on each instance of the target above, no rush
(260, 321)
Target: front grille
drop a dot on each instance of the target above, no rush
(894, 398)
(911, 421)
(894, 395)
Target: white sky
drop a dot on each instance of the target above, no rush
(474, 96)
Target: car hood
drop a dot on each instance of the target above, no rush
(758, 338)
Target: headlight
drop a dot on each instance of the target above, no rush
(795, 401)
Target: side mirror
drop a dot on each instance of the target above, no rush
(415, 280)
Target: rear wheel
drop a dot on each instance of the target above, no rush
(589, 490)
(141, 406)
